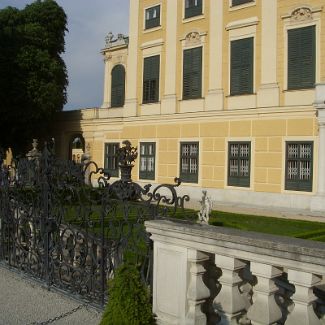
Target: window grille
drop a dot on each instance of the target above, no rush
(299, 163)
(189, 162)
(147, 160)
(239, 164)
(111, 159)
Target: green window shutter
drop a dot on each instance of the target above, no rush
(192, 73)
(147, 160)
(240, 2)
(242, 66)
(239, 154)
(151, 67)
(301, 57)
(111, 161)
(152, 17)
(118, 86)
(299, 166)
(193, 8)
(189, 162)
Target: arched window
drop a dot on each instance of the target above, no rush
(118, 86)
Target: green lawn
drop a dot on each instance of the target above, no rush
(276, 226)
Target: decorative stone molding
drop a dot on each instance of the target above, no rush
(301, 14)
(154, 43)
(242, 23)
(120, 40)
(192, 38)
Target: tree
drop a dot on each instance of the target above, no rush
(33, 76)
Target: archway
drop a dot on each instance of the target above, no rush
(76, 148)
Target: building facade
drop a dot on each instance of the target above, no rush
(227, 95)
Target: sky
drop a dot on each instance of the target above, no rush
(89, 21)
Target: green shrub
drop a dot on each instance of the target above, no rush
(128, 302)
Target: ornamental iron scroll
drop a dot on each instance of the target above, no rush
(68, 225)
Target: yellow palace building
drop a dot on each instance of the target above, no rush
(228, 95)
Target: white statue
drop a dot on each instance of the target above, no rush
(206, 208)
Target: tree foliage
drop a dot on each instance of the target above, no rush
(33, 76)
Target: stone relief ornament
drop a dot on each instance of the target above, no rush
(206, 208)
(301, 14)
(192, 38)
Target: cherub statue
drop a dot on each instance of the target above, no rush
(206, 208)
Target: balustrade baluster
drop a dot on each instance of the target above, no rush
(197, 292)
(230, 303)
(303, 298)
(264, 310)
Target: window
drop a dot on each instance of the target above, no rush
(301, 57)
(118, 86)
(151, 79)
(193, 8)
(239, 164)
(241, 79)
(111, 161)
(152, 17)
(189, 164)
(147, 160)
(240, 2)
(192, 73)
(299, 162)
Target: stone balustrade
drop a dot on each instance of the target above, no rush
(213, 275)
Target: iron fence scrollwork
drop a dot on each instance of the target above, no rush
(68, 225)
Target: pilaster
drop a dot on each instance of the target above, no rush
(214, 98)
(107, 83)
(168, 102)
(268, 93)
(318, 202)
(130, 107)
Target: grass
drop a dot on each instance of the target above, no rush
(113, 222)
(277, 226)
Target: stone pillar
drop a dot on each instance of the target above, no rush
(303, 298)
(229, 302)
(168, 102)
(130, 107)
(197, 292)
(264, 310)
(214, 98)
(268, 93)
(318, 202)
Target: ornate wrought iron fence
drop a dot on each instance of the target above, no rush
(67, 225)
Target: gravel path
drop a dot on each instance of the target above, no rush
(26, 302)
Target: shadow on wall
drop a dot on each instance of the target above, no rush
(69, 138)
